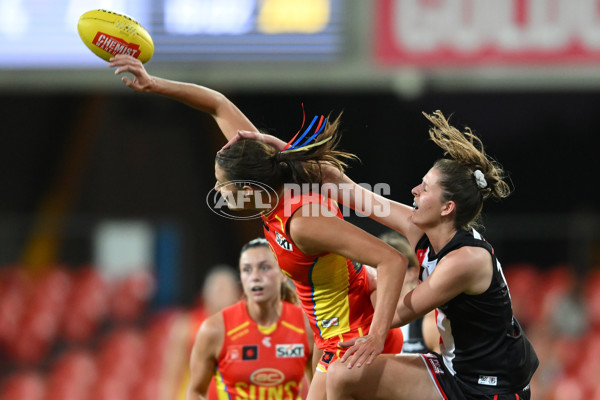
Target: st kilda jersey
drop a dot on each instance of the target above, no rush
(262, 363)
(482, 344)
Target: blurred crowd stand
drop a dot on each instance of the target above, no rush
(71, 334)
(560, 311)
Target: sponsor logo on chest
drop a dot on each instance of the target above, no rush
(282, 242)
(289, 350)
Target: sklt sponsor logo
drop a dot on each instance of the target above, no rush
(289, 350)
(115, 45)
(283, 242)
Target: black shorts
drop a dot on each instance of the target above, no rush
(451, 389)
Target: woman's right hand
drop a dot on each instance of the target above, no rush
(142, 81)
(276, 143)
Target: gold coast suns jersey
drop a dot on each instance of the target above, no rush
(262, 363)
(334, 291)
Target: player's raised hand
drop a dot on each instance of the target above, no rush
(277, 143)
(141, 82)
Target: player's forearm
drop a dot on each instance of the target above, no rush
(405, 313)
(199, 97)
(347, 192)
(227, 115)
(365, 201)
(389, 286)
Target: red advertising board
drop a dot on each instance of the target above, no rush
(487, 32)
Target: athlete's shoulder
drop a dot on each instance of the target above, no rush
(470, 265)
(293, 318)
(234, 308)
(211, 329)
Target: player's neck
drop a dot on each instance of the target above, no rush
(265, 313)
(440, 236)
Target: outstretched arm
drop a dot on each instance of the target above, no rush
(229, 118)
(374, 205)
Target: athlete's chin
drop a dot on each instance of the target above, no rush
(411, 218)
(414, 219)
(257, 296)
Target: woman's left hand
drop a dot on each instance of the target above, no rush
(362, 350)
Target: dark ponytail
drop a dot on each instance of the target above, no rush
(469, 175)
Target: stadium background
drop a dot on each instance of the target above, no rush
(94, 175)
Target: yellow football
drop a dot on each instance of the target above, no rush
(107, 33)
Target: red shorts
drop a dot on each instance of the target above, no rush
(332, 351)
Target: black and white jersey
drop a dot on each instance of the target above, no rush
(482, 343)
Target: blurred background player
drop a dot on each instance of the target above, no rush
(260, 347)
(221, 288)
(420, 335)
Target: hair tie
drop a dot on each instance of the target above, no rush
(480, 179)
(295, 145)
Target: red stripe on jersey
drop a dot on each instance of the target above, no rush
(432, 369)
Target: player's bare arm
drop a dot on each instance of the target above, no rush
(458, 272)
(203, 358)
(229, 118)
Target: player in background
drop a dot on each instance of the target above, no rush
(321, 252)
(260, 347)
(221, 288)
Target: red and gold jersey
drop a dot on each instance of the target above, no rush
(262, 363)
(333, 290)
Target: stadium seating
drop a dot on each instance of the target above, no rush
(71, 334)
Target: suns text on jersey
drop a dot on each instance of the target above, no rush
(285, 391)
